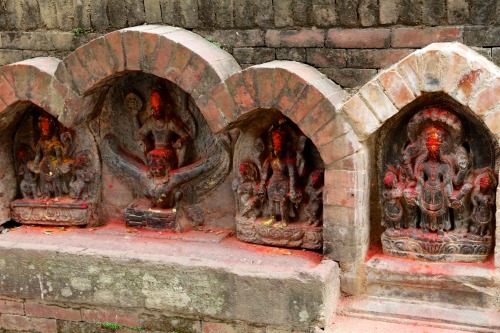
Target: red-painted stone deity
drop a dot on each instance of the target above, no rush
(439, 218)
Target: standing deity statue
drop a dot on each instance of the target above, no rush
(447, 202)
(245, 187)
(392, 194)
(278, 183)
(483, 201)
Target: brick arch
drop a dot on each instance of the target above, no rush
(297, 90)
(32, 80)
(450, 68)
(178, 55)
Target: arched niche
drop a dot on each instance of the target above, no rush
(52, 170)
(442, 219)
(165, 162)
(278, 182)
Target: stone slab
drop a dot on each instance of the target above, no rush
(426, 314)
(471, 284)
(227, 280)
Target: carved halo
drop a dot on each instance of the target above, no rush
(444, 118)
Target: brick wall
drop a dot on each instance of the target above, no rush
(348, 40)
(32, 316)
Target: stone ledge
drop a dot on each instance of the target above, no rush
(473, 285)
(414, 314)
(220, 279)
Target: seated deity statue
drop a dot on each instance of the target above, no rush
(169, 137)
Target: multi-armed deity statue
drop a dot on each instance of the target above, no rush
(56, 177)
(436, 204)
(156, 148)
(279, 196)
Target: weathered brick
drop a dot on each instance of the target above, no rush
(495, 55)
(250, 55)
(283, 13)
(110, 315)
(358, 38)
(493, 122)
(254, 13)
(396, 88)
(30, 18)
(292, 53)
(434, 12)
(363, 120)
(349, 77)
(347, 11)
(322, 57)
(188, 14)
(368, 12)
(10, 56)
(378, 101)
(486, 99)
(47, 10)
(406, 12)
(468, 84)
(135, 12)
(323, 13)
(419, 37)
(483, 11)
(206, 12)
(51, 311)
(169, 324)
(152, 10)
(334, 128)
(235, 38)
(98, 16)
(340, 148)
(212, 113)
(295, 38)
(209, 327)
(36, 40)
(225, 13)
(11, 307)
(482, 36)
(23, 323)
(458, 11)
(375, 58)
(116, 15)
(431, 64)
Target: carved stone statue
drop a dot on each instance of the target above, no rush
(246, 190)
(436, 176)
(314, 191)
(392, 194)
(50, 161)
(284, 205)
(82, 177)
(279, 179)
(483, 197)
(52, 176)
(163, 151)
(169, 139)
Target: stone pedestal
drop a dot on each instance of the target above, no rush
(155, 218)
(271, 232)
(63, 212)
(454, 246)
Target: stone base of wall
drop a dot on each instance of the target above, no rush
(69, 280)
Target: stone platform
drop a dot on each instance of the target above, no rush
(203, 274)
(61, 212)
